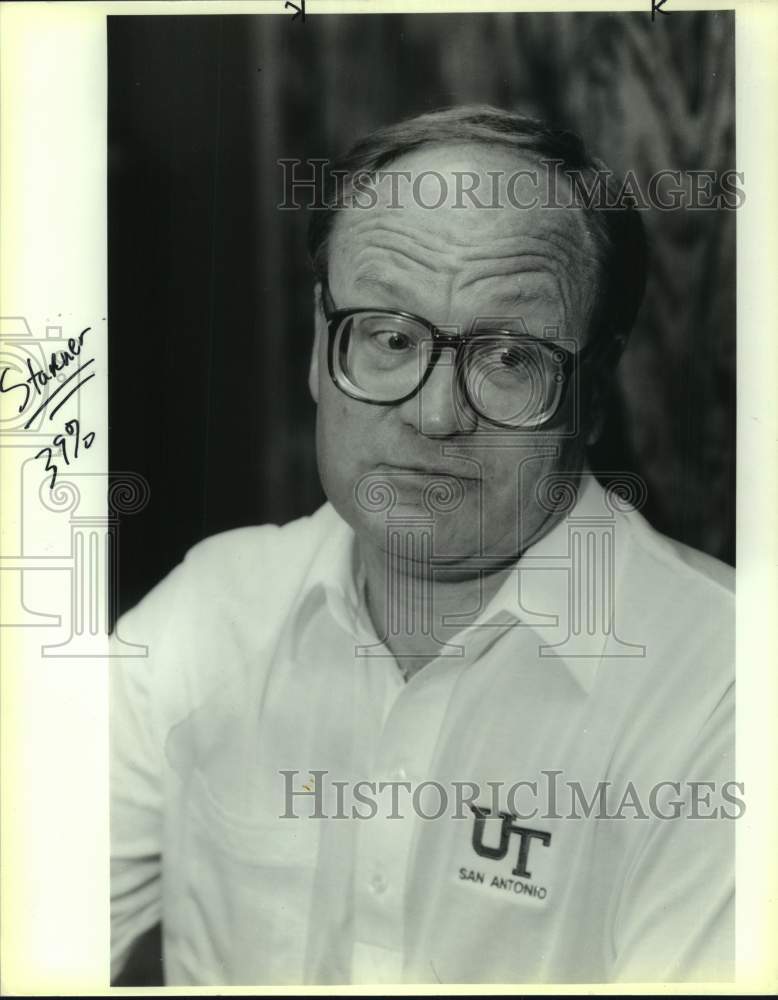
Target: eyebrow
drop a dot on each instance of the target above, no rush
(371, 281)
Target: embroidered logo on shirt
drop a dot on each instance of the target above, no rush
(509, 828)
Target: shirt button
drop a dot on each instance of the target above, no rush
(378, 884)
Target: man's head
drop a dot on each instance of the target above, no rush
(451, 217)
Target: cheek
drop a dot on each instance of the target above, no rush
(510, 470)
(342, 423)
(344, 441)
(517, 482)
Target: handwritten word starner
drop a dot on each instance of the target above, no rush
(35, 385)
(39, 379)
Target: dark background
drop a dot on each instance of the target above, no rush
(210, 298)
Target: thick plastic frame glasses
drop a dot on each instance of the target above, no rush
(336, 318)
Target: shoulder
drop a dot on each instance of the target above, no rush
(241, 558)
(245, 574)
(666, 570)
(679, 604)
(675, 606)
(213, 618)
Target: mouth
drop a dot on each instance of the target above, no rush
(423, 470)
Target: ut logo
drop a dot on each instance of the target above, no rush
(507, 828)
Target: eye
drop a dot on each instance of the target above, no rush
(392, 340)
(513, 358)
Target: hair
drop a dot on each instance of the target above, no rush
(617, 229)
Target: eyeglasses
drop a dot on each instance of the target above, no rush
(384, 357)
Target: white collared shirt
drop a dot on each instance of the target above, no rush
(607, 656)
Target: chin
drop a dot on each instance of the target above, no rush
(418, 539)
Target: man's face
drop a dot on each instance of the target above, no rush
(531, 268)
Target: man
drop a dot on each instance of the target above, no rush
(472, 720)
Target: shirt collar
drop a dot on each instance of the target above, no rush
(559, 585)
(556, 587)
(336, 571)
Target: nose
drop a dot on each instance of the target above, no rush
(438, 409)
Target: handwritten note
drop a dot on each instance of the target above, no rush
(35, 392)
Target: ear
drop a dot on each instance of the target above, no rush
(318, 339)
(598, 401)
(596, 429)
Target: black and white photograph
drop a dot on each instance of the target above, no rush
(423, 552)
(437, 588)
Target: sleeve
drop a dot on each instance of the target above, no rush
(137, 766)
(676, 913)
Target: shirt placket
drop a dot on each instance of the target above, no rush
(403, 758)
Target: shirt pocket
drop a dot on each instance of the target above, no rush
(245, 893)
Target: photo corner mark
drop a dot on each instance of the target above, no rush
(298, 8)
(656, 8)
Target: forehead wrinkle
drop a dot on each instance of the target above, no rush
(390, 220)
(378, 231)
(372, 263)
(554, 248)
(508, 264)
(537, 261)
(386, 233)
(519, 294)
(520, 299)
(513, 260)
(526, 243)
(557, 259)
(371, 272)
(569, 252)
(550, 270)
(371, 276)
(558, 250)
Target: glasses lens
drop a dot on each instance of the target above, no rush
(380, 354)
(514, 382)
